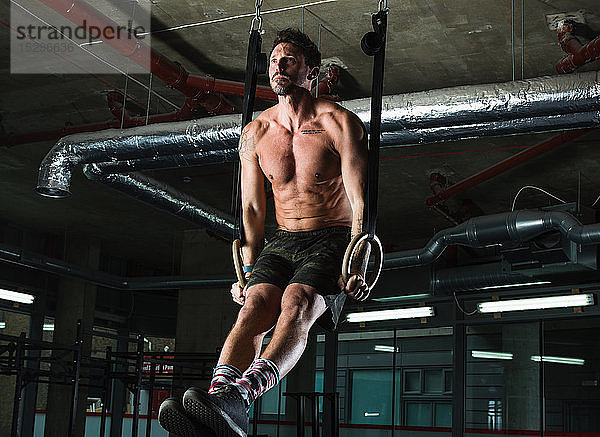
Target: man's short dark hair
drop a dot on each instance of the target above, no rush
(310, 51)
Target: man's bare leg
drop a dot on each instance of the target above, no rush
(257, 316)
(301, 306)
(225, 411)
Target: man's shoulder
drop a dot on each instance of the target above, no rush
(259, 125)
(329, 107)
(335, 114)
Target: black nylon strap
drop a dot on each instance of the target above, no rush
(380, 26)
(252, 61)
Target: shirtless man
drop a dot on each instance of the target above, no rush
(314, 153)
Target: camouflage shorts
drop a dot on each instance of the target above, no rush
(309, 257)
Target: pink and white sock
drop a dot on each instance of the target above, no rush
(222, 375)
(262, 375)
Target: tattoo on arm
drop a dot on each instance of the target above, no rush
(247, 145)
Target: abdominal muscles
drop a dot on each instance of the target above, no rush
(302, 206)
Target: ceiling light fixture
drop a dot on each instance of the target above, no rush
(2, 325)
(15, 296)
(538, 303)
(48, 327)
(384, 348)
(560, 360)
(400, 313)
(492, 355)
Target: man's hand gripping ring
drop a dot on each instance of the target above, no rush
(351, 252)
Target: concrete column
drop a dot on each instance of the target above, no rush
(521, 376)
(34, 243)
(119, 391)
(31, 390)
(204, 316)
(75, 301)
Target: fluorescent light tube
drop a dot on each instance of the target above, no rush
(538, 303)
(400, 313)
(383, 348)
(2, 325)
(560, 360)
(524, 284)
(492, 355)
(48, 327)
(371, 414)
(15, 296)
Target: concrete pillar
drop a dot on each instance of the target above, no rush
(75, 301)
(119, 390)
(34, 243)
(522, 376)
(204, 316)
(31, 390)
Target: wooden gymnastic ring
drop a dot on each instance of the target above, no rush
(350, 252)
(238, 262)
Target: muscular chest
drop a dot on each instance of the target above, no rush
(303, 157)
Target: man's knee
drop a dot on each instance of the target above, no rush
(261, 304)
(301, 303)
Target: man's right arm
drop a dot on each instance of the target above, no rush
(253, 195)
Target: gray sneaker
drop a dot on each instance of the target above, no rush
(173, 418)
(224, 412)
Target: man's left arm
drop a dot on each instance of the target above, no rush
(353, 150)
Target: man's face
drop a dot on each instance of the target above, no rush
(287, 68)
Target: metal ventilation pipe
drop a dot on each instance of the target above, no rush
(497, 229)
(211, 136)
(153, 192)
(534, 105)
(474, 277)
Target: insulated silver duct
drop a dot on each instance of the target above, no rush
(208, 137)
(169, 161)
(533, 105)
(153, 192)
(497, 229)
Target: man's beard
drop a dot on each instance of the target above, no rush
(282, 89)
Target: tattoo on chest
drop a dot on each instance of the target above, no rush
(312, 131)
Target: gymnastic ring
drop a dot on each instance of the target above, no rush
(238, 262)
(350, 252)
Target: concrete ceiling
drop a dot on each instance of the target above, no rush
(431, 44)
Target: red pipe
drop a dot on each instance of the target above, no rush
(115, 104)
(579, 54)
(211, 85)
(506, 164)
